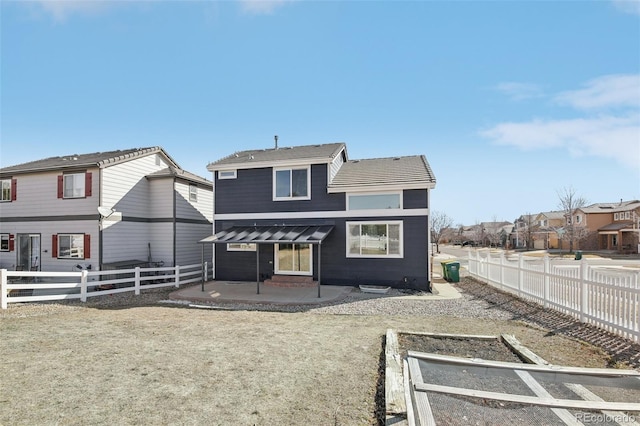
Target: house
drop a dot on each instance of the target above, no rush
(615, 225)
(522, 233)
(547, 232)
(495, 233)
(311, 214)
(105, 210)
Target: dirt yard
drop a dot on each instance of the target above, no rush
(76, 364)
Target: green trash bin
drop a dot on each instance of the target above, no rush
(578, 255)
(453, 272)
(444, 269)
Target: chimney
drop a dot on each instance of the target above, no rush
(276, 139)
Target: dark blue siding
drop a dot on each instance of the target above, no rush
(252, 192)
(415, 199)
(412, 271)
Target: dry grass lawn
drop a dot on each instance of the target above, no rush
(171, 365)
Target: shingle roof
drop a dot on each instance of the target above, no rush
(409, 171)
(611, 207)
(96, 159)
(266, 157)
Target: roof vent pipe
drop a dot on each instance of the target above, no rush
(276, 139)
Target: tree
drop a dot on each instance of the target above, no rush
(570, 202)
(440, 225)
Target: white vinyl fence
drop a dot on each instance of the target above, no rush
(23, 286)
(606, 297)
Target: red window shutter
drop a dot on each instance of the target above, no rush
(60, 186)
(87, 184)
(14, 189)
(87, 246)
(12, 242)
(54, 246)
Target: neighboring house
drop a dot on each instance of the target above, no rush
(548, 225)
(311, 213)
(522, 233)
(617, 225)
(495, 233)
(105, 210)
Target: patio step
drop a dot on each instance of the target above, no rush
(290, 281)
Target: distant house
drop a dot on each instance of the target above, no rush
(522, 233)
(102, 210)
(617, 225)
(311, 213)
(548, 230)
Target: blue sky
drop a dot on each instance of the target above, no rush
(510, 101)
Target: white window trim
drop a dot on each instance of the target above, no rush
(615, 216)
(249, 247)
(2, 181)
(400, 193)
(227, 174)
(193, 193)
(627, 215)
(273, 189)
(82, 179)
(70, 257)
(6, 237)
(373, 256)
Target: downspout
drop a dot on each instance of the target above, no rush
(174, 219)
(429, 247)
(100, 257)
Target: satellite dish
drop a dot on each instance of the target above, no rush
(105, 211)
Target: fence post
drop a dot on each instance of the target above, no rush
(547, 273)
(520, 273)
(583, 290)
(501, 275)
(206, 271)
(3, 288)
(177, 276)
(83, 285)
(137, 281)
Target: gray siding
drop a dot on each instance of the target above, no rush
(414, 199)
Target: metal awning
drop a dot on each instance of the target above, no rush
(276, 234)
(271, 234)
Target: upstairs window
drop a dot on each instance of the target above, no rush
(292, 184)
(627, 215)
(615, 216)
(227, 174)
(578, 218)
(374, 201)
(193, 193)
(74, 185)
(8, 190)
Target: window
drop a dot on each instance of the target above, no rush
(578, 218)
(71, 246)
(543, 222)
(291, 184)
(5, 242)
(615, 216)
(8, 190)
(74, 185)
(627, 215)
(227, 174)
(374, 239)
(193, 193)
(241, 247)
(374, 201)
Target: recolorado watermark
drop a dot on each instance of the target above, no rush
(602, 417)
